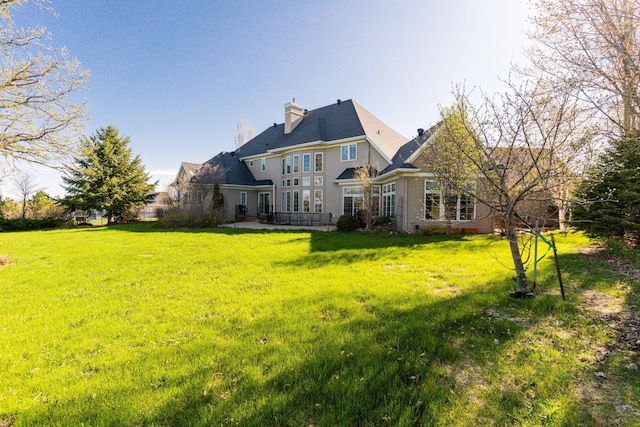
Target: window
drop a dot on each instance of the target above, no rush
(318, 181)
(283, 206)
(264, 203)
(306, 201)
(457, 207)
(289, 182)
(200, 196)
(288, 164)
(389, 199)
(283, 182)
(263, 165)
(243, 198)
(296, 161)
(283, 165)
(306, 163)
(466, 208)
(296, 182)
(352, 200)
(288, 202)
(317, 201)
(348, 152)
(432, 201)
(250, 163)
(318, 162)
(296, 201)
(306, 181)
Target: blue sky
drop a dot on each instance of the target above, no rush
(177, 76)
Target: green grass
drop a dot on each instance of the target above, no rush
(129, 325)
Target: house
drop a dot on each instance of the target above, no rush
(302, 171)
(155, 208)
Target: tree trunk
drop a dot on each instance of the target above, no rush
(562, 218)
(521, 277)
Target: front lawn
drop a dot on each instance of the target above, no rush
(129, 325)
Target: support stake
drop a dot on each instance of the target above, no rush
(555, 257)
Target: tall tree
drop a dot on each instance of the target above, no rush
(592, 46)
(38, 118)
(507, 145)
(610, 196)
(106, 177)
(244, 133)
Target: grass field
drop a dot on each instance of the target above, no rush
(129, 325)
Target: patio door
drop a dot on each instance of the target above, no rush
(264, 203)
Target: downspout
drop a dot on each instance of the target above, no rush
(405, 208)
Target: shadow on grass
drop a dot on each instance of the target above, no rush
(374, 365)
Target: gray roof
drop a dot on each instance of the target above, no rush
(227, 168)
(334, 122)
(400, 159)
(350, 174)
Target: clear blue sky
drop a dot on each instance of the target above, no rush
(177, 76)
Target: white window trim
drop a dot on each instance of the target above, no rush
(303, 156)
(263, 164)
(348, 147)
(243, 198)
(315, 164)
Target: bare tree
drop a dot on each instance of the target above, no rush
(244, 133)
(38, 118)
(366, 177)
(510, 145)
(24, 186)
(590, 48)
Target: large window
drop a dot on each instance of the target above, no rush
(296, 201)
(431, 200)
(306, 163)
(348, 152)
(288, 165)
(263, 164)
(306, 201)
(352, 200)
(454, 207)
(264, 203)
(296, 163)
(318, 162)
(317, 201)
(389, 199)
(243, 198)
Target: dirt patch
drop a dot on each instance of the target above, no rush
(4, 261)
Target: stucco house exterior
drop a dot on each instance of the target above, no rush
(302, 171)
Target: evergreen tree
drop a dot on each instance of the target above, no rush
(611, 195)
(106, 177)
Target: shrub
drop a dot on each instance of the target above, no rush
(433, 230)
(347, 223)
(22, 224)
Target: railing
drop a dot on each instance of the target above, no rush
(301, 218)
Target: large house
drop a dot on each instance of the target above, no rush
(302, 171)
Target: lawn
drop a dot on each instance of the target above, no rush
(130, 325)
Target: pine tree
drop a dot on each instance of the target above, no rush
(106, 177)
(611, 195)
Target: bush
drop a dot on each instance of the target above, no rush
(347, 223)
(433, 230)
(382, 223)
(22, 224)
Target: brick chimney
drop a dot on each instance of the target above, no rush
(293, 114)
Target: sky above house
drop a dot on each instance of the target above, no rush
(178, 76)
